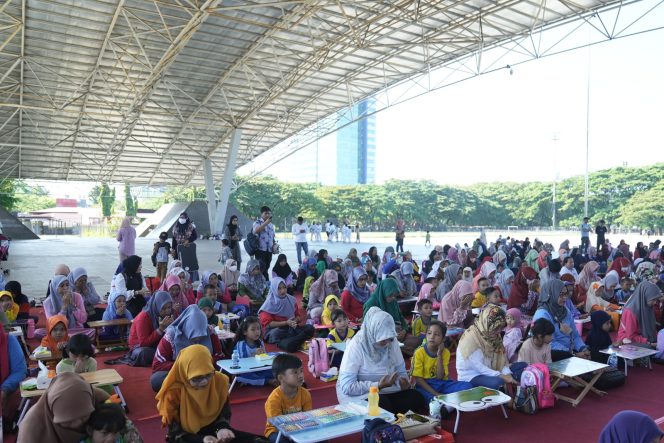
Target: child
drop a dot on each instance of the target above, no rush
(56, 337)
(206, 305)
(289, 397)
(339, 334)
(598, 338)
(160, 253)
(106, 425)
(480, 298)
(248, 343)
(211, 294)
(331, 303)
(467, 274)
(427, 239)
(422, 321)
(625, 291)
(513, 335)
(371, 281)
(492, 295)
(8, 306)
(226, 251)
(78, 356)
(533, 295)
(430, 365)
(537, 349)
(116, 310)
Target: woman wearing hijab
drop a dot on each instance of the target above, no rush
(631, 427)
(598, 338)
(327, 284)
(452, 274)
(21, 300)
(61, 414)
(586, 277)
(307, 269)
(129, 282)
(283, 270)
(233, 234)
(173, 285)
(375, 258)
(189, 329)
(12, 372)
(428, 291)
(611, 281)
(148, 327)
(252, 283)
(355, 295)
(78, 281)
(455, 308)
(566, 339)
(385, 298)
(638, 322)
(404, 278)
(596, 302)
(281, 318)
(488, 271)
(212, 279)
(481, 358)
(569, 304)
(116, 310)
(126, 238)
(230, 275)
(63, 301)
(504, 282)
(373, 358)
(184, 233)
(193, 401)
(518, 297)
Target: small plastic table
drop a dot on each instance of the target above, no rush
(631, 352)
(478, 398)
(246, 366)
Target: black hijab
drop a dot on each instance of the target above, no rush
(598, 338)
(282, 271)
(182, 228)
(17, 293)
(133, 278)
(232, 229)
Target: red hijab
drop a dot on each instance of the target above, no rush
(519, 291)
(618, 264)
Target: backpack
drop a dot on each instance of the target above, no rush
(525, 400)
(537, 375)
(318, 358)
(251, 243)
(378, 430)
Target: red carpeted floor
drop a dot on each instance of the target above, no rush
(643, 391)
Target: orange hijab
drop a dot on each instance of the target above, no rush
(180, 402)
(48, 341)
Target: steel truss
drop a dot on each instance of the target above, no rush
(143, 91)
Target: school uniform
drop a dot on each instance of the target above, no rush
(425, 365)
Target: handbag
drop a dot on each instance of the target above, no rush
(276, 249)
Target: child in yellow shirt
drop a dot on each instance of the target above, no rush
(480, 299)
(422, 321)
(430, 365)
(331, 303)
(289, 397)
(8, 306)
(339, 334)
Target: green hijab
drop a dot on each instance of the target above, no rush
(387, 287)
(205, 302)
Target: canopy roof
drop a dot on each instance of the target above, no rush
(142, 91)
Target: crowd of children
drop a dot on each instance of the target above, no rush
(515, 300)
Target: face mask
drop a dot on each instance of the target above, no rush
(182, 220)
(233, 268)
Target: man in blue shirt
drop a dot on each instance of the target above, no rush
(586, 229)
(264, 229)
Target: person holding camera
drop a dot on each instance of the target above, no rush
(264, 230)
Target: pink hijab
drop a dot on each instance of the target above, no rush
(485, 271)
(516, 314)
(454, 308)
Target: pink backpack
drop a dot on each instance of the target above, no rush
(537, 375)
(319, 361)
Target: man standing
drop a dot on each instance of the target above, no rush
(264, 229)
(600, 230)
(299, 231)
(586, 229)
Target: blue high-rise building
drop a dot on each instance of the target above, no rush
(356, 145)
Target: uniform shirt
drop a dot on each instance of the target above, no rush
(425, 365)
(419, 327)
(333, 336)
(265, 237)
(279, 404)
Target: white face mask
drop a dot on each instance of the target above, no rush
(182, 220)
(233, 268)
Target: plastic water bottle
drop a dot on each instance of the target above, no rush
(226, 323)
(373, 408)
(235, 360)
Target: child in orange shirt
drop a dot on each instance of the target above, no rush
(56, 338)
(289, 397)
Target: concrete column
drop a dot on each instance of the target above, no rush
(209, 193)
(227, 181)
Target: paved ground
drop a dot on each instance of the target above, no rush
(32, 261)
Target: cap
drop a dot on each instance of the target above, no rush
(373, 390)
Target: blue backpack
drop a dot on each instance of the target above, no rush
(378, 430)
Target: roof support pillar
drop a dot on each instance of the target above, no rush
(227, 181)
(209, 193)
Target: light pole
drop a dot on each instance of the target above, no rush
(555, 179)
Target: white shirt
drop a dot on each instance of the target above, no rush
(476, 365)
(300, 237)
(572, 272)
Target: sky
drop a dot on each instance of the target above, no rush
(501, 126)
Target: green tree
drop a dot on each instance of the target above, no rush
(8, 194)
(129, 202)
(32, 198)
(95, 194)
(107, 198)
(645, 209)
